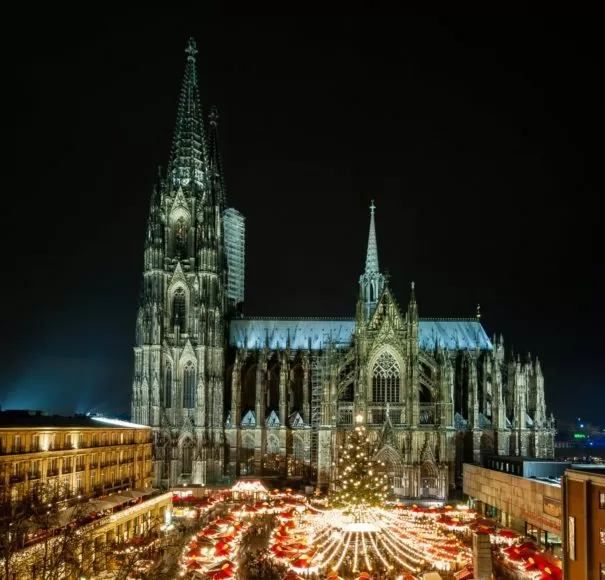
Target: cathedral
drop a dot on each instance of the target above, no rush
(234, 396)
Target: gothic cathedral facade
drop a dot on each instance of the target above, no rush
(231, 396)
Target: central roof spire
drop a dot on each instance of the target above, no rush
(371, 282)
(188, 156)
(372, 253)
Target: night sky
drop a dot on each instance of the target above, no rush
(479, 140)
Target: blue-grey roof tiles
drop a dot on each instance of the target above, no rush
(318, 333)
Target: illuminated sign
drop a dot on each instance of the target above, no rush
(579, 436)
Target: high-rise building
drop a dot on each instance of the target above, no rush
(235, 250)
(229, 395)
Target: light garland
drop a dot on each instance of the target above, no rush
(33, 552)
(359, 527)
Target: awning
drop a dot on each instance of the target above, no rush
(99, 505)
(118, 499)
(135, 494)
(145, 490)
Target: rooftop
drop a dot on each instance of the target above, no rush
(524, 459)
(596, 468)
(28, 419)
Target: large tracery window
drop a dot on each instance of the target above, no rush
(189, 386)
(179, 311)
(168, 387)
(180, 237)
(385, 379)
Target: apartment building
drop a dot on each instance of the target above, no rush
(86, 455)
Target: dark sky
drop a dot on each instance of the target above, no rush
(479, 139)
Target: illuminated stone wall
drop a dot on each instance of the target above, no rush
(521, 498)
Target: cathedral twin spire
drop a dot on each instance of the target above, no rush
(188, 159)
(215, 164)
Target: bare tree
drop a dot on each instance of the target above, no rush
(14, 527)
(41, 535)
(154, 556)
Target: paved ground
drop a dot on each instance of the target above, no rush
(255, 541)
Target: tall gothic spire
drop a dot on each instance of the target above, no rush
(372, 253)
(188, 156)
(214, 159)
(371, 282)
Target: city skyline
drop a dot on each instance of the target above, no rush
(466, 177)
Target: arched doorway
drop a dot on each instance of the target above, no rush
(428, 480)
(187, 456)
(389, 462)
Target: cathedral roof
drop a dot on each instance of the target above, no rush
(317, 333)
(305, 333)
(455, 334)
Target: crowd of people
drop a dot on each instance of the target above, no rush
(255, 560)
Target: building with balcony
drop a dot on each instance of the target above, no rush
(97, 473)
(87, 455)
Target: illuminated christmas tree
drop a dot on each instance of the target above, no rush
(361, 482)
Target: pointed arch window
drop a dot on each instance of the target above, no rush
(180, 237)
(179, 309)
(168, 386)
(189, 386)
(386, 379)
